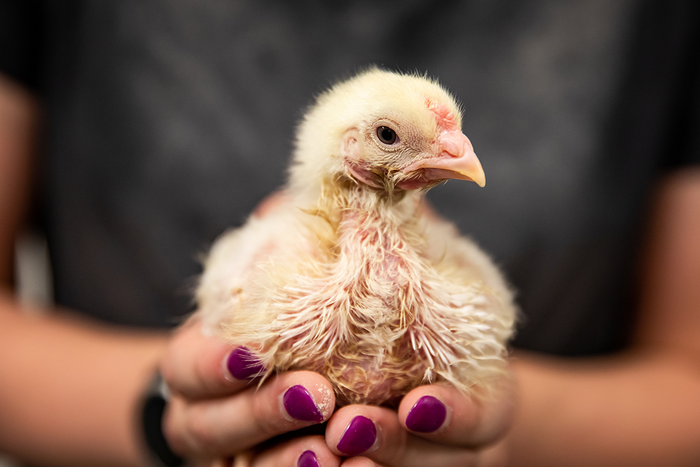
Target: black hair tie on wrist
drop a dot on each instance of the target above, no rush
(152, 410)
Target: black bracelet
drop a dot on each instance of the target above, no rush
(154, 404)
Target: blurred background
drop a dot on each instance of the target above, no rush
(165, 122)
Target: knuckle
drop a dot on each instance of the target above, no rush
(170, 366)
(266, 426)
(202, 378)
(265, 420)
(174, 436)
(167, 372)
(176, 441)
(199, 433)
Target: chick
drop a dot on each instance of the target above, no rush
(349, 274)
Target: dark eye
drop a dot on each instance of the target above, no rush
(386, 135)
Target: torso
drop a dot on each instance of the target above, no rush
(369, 307)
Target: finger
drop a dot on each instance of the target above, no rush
(494, 456)
(225, 426)
(377, 434)
(443, 414)
(309, 451)
(198, 366)
(360, 462)
(227, 462)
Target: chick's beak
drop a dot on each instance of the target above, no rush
(456, 160)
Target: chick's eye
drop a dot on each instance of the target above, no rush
(386, 135)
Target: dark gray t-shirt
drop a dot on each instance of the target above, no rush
(168, 121)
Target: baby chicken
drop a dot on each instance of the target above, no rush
(349, 274)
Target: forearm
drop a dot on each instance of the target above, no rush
(70, 388)
(639, 408)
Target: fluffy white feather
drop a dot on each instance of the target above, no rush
(350, 274)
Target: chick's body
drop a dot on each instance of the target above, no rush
(349, 274)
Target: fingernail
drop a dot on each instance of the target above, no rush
(307, 459)
(241, 363)
(427, 415)
(300, 405)
(359, 436)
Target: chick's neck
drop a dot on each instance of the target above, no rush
(348, 205)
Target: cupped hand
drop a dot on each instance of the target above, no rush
(217, 409)
(436, 425)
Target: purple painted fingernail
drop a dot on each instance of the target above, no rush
(359, 436)
(427, 415)
(307, 459)
(243, 364)
(300, 405)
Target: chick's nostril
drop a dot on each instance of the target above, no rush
(453, 148)
(454, 143)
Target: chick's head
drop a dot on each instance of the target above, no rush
(385, 131)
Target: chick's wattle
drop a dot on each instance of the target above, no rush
(349, 274)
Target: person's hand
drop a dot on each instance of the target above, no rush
(217, 410)
(435, 425)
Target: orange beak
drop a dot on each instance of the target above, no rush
(456, 160)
